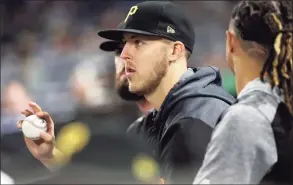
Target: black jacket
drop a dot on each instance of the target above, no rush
(282, 125)
(180, 131)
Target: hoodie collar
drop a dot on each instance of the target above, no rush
(258, 85)
(189, 84)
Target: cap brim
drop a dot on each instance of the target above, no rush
(117, 34)
(110, 46)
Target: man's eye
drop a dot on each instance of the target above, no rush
(137, 42)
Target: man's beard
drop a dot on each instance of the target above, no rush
(123, 91)
(150, 84)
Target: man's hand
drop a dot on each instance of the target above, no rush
(42, 149)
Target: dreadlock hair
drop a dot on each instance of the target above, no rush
(270, 24)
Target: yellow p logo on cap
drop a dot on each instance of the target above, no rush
(132, 11)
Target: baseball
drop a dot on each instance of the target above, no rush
(32, 127)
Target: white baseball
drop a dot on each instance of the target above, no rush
(32, 126)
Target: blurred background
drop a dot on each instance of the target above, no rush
(50, 55)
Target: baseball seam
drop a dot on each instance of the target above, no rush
(31, 122)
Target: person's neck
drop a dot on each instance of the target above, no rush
(173, 75)
(144, 106)
(246, 70)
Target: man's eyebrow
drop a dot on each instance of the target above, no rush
(131, 37)
(134, 36)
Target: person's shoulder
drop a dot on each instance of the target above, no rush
(241, 117)
(239, 111)
(136, 125)
(264, 103)
(211, 100)
(138, 120)
(216, 92)
(207, 109)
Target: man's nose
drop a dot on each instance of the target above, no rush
(126, 52)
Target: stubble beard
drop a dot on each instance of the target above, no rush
(152, 81)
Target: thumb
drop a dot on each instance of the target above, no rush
(47, 137)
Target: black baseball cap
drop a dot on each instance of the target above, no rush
(156, 18)
(112, 45)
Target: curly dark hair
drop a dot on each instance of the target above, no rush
(270, 24)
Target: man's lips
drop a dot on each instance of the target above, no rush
(129, 71)
(126, 72)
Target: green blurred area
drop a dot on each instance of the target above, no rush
(229, 81)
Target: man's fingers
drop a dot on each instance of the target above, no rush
(35, 107)
(27, 112)
(47, 137)
(50, 124)
(46, 116)
(19, 123)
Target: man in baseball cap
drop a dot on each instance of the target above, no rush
(158, 40)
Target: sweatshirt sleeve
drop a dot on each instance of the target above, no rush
(242, 149)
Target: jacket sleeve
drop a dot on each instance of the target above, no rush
(183, 148)
(242, 149)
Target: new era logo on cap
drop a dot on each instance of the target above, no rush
(156, 18)
(170, 30)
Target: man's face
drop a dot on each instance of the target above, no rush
(122, 82)
(145, 62)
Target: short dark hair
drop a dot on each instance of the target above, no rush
(269, 23)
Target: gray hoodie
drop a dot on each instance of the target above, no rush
(243, 147)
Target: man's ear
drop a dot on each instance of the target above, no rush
(177, 51)
(230, 41)
(233, 41)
